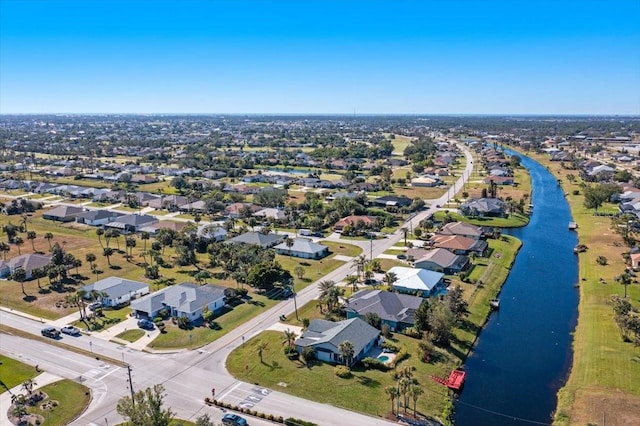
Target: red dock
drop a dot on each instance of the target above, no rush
(455, 380)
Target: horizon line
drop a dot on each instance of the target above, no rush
(333, 114)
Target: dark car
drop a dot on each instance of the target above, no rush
(146, 324)
(233, 420)
(50, 332)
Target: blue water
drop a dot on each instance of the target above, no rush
(524, 354)
(383, 358)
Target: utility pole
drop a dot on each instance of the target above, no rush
(133, 400)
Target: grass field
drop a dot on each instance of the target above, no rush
(605, 375)
(73, 399)
(131, 335)
(14, 373)
(515, 220)
(364, 392)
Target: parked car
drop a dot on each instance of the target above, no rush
(70, 330)
(372, 281)
(95, 305)
(50, 332)
(233, 420)
(401, 256)
(146, 324)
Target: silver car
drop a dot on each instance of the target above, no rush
(70, 330)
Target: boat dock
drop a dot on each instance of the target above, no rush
(573, 226)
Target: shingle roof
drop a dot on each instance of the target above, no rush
(64, 211)
(257, 238)
(439, 256)
(99, 214)
(302, 245)
(115, 287)
(388, 305)
(355, 330)
(184, 297)
(27, 262)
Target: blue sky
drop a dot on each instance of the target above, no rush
(306, 56)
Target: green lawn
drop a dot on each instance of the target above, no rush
(365, 391)
(514, 221)
(313, 269)
(73, 398)
(342, 248)
(14, 372)
(175, 337)
(131, 335)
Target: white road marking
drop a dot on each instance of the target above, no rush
(236, 386)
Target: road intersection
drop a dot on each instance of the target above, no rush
(189, 375)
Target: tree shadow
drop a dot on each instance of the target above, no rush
(188, 272)
(368, 382)
(115, 267)
(29, 298)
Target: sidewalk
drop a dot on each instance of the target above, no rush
(5, 397)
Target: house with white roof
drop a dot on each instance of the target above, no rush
(116, 291)
(304, 248)
(182, 300)
(420, 282)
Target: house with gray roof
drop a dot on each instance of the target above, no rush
(98, 217)
(442, 260)
(461, 228)
(116, 291)
(63, 213)
(182, 300)
(325, 337)
(490, 207)
(304, 248)
(258, 239)
(28, 262)
(131, 222)
(394, 309)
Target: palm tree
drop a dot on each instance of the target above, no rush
(360, 263)
(100, 233)
(48, 236)
(28, 385)
(106, 252)
(404, 231)
(352, 280)
(299, 271)
(144, 236)
(115, 234)
(31, 235)
(289, 242)
(346, 352)
(18, 241)
(289, 338)
(390, 278)
(404, 384)
(91, 258)
(130, 243)
(38, 273)
(392, 392)
(262, 346)
(415, 391)
(4, 248)
(20, 275)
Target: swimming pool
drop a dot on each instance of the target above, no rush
(383, 358)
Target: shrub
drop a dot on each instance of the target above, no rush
(291, 353)
(262, 415)
(412, 332)
(390, 346)
(400, 356)
(305, 323)
(242, 292)
(280, 419)
(386, 331)
(291, 421)
(343, 371)
(375, 363)
(576, 192)
(183, 322)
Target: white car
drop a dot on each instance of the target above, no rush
(70, 330)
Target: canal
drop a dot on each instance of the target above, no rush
(523, 355)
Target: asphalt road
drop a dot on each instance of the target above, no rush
(188, 376)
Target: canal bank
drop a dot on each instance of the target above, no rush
(524, 354)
